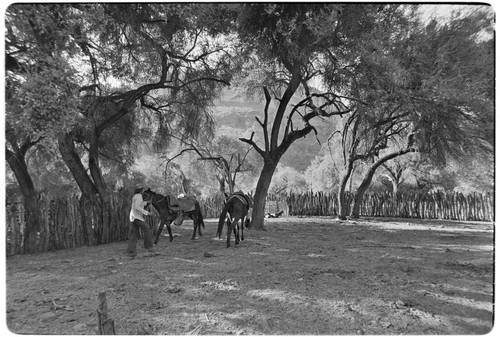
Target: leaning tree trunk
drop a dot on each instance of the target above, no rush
(94, 166)
(360, 192)
(94, 201)
(259, 199)
(74, 163)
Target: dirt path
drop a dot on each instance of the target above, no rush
(302, 276)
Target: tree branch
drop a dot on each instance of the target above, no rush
(266, 117)
(254, 145)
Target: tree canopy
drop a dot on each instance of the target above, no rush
(124, 58)
(92, 89)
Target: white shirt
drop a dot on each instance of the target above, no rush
(137, 211)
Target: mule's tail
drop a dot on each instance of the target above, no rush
(201, 220)
(222, 219)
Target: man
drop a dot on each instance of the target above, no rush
(137, 222)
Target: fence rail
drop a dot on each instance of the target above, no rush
(69, 223)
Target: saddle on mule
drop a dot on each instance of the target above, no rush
(181, 203)
(245, 198)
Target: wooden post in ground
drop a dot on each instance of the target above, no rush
(106, 325)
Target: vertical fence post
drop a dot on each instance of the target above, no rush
(106, 325)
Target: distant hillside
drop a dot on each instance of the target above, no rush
(235, 115)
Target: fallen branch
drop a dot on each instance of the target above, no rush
(195, 331)
(61, 306)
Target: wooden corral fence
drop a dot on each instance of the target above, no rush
(276, 203)
(68, 223)
(430, 205)
(212, 207)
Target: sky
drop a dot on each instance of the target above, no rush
(444, 10)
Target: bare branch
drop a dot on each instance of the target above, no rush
(266, 117)
(254, 145)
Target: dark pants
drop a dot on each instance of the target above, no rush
(134, 235)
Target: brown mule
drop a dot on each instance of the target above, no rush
(172, 209)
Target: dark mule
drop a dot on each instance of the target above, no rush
(172, 209)
(235, 209)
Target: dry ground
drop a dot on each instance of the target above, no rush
(303, 276)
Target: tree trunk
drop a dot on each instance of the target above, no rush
(93, 187)
(360, 192)
(33, 222)
(259, 199)
(222, 183)
(342, 200)
(343, 207)
(74, 163)
(94, 167)
(231, 184)
(99, 183)
(18, 165)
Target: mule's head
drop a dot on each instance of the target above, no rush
(147, 195)
(247, 222)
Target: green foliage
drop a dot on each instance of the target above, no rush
(288, 32)
(42, 103)
(453, 75)
(41, 91)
